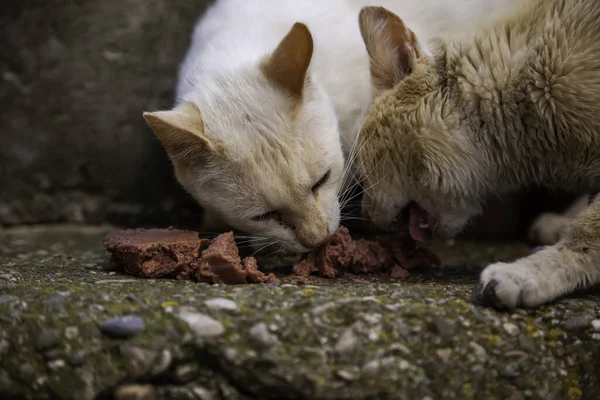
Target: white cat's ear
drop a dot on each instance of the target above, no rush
(287, 65)
(393, 48)
(181, 132)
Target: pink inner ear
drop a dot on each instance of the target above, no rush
(392, 47)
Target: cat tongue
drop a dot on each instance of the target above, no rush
(419, 224)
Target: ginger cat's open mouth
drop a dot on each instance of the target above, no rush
(418, 221)
(419, 224)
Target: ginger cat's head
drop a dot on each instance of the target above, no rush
(417, 163)
(260, 148)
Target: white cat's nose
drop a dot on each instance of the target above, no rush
(312, 233)
(314, 242)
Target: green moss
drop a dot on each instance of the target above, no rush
(304, 360)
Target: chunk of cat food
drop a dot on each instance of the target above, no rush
(221, 263)
(161, 253)
(406, 253)
(155, 253)
(395, 254)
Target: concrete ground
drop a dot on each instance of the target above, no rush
(71, 330)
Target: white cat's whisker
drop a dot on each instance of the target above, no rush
(275, 253)
(264, 247)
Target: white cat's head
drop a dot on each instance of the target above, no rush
(260, 148)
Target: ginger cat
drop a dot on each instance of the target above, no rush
(512, 103)
(268, 105)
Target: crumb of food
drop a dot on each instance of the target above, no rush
(221, 263)
(396, 254)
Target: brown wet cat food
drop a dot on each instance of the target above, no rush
(221, 263)
(158, 253)
(155, 253)
(395, 254)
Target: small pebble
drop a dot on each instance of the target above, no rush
(261, 335)
(347, 342)
(79, 359)
(596, 325)
(133, 298)
(388, 361)
(186, 372)
(346, 375)
(510, 370)
(219, 303)
(201, 324)
(444, 354)
(580, 321)
(596, 336)
(71, 332)
(479, 351)
(371, 368)
(404, 365)
(5, 298)
(122, 327)
(203, 394)
(162, 362)
(511, 329)
(230, 354)
(138, 361)
(56, 364)
(135, 392)
(3, 346)
(47, 339)
(527, 343)
(442, 327)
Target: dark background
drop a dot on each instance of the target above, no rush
(76, 76)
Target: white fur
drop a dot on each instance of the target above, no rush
(239, 107)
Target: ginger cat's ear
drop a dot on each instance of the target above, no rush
(288, 64)
(181, 132)
(393, 48)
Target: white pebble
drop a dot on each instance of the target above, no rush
(347, 342)
(201, 324)
(511, 329)
(220, 303)
(261, 335)
(596, 325)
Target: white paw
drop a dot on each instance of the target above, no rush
(512, 285)
(548, 228)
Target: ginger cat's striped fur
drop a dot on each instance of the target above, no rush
(511, 103)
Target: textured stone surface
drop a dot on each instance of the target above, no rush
(75, 77)
(366, 338)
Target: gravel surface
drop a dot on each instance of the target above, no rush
(71, 330)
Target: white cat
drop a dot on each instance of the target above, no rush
(269, 101)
